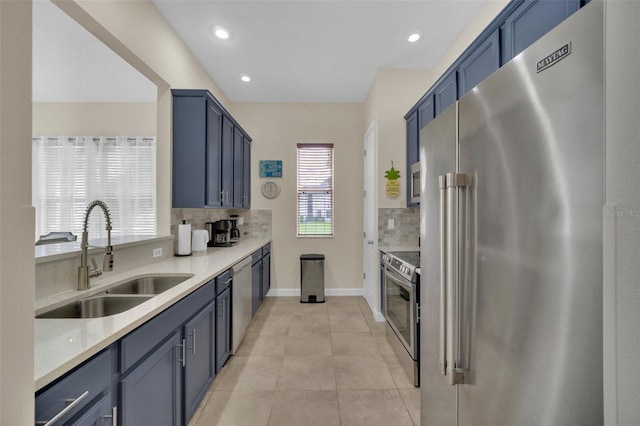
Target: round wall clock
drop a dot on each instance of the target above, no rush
(270, 189)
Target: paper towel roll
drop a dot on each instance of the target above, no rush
(184, 239)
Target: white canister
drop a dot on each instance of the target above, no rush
(199, 239)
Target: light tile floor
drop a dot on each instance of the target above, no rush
(312, 364)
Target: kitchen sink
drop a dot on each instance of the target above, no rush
(149, 285)
(96, 307)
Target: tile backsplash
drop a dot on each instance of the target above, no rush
(406, 230)
(256, 222)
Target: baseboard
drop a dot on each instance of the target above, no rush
(378, 316)
(282, 292)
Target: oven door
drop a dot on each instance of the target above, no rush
(400, 312)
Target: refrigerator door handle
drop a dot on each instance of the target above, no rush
(455, 369)
(442, 180)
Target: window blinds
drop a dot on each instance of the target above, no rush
(315, 190)
(71, 171)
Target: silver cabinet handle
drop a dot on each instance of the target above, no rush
(113, 416)
(72, 403)
(193, 348)
(443, 274)
(183, 349)
(228, 281)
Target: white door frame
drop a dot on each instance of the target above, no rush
(370, 256)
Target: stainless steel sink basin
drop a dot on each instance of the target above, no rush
(96, 307)
(149, 285)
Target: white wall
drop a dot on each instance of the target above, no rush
(139, 34)
(622, 214)
(17, 271)
(94, 118)
(276, 129)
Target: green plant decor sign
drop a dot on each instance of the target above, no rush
(392, 187)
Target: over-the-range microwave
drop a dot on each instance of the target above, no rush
(415, 182)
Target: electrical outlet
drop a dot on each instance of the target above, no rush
(157, 252)
(391, 224)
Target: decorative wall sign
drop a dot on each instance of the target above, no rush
(270, 168)
(393, 184)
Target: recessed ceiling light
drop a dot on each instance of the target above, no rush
(245, 78)
(220, 32)
(413, 37)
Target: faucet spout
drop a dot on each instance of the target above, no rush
(84, 271)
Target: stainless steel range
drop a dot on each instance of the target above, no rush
(402, 308)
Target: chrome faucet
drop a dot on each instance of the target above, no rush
(84, 271)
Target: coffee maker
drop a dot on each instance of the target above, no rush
(220, 233)
(234, 232)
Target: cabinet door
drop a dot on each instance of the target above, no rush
(238, 166)
(246, 178)
(227, 162)
(412, 150)
(266, 274)
(189, 153)
(214, 155)
(530, 21)
(150, 394)
(426, 113)
(101, 413)
(446, 93)
(479, 64)
(223, 328)
(256, 287)
(199, 371)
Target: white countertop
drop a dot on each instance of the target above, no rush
(398, 248)
(62, 344)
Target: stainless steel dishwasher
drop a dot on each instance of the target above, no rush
(240, 301)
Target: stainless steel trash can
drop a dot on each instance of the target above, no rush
(312, 278)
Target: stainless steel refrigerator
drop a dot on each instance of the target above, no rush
(512, 189)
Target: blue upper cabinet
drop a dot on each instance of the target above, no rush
(412, 151)
(189, 151)
(214, 157)
(227, 162)
(426, 111)
(238, 169)
(208, 153)
(479, 64)
(246, 173)
(530, 21)
(446, 92)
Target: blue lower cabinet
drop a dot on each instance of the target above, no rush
(256, 286)
(151, 393)
(101, 413)
(199, 371)
(266, 274)
(77, 391)
(223, 328)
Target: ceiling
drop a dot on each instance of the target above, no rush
(293, 50)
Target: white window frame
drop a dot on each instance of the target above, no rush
(306, 187)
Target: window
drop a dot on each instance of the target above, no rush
(315, 190)
(70, 172)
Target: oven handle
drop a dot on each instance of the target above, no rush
(396, 277)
